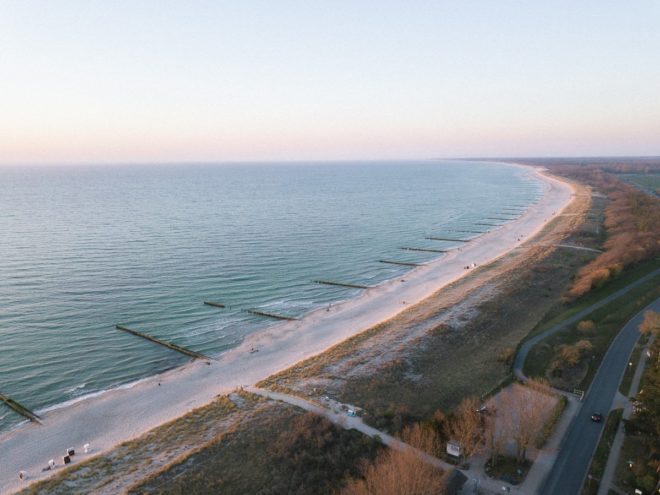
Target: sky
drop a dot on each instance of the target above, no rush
(171, 81)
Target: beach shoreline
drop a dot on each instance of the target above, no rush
(121, 414)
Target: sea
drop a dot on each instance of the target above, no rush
(84, 248)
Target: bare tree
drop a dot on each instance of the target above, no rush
(497, 431)
(403, 472)
(531, 405)
(466, 426)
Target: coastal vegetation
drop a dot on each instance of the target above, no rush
(397, 472)
(632, 222)
(111, 472)
(632, 219)
(241, 443)
(284, 451)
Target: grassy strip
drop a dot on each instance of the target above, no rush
(599, 460)
(626, 381)
(627, 277)
(608, 320)
(549, 426)
(629, 477)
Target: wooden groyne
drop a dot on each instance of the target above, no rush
(404, 263)
(169, 345)
(447, 239)
(20, 409)
(270, 315)
(341, 284)
(214, 304)
(426, 250)
(471, 231)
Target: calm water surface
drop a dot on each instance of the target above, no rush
(85, 248)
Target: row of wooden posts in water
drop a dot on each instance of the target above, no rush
(28, 414)
(257, 312)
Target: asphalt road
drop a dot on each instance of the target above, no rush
(580, 442)
(527, 346)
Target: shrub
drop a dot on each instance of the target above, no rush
(599, 277)
(586, 326)
(651, 323)
(506, 355)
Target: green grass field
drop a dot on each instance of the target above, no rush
(564, 312)
(644, 181)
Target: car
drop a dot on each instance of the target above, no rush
(596, 417)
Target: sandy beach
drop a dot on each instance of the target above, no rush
(121, 414)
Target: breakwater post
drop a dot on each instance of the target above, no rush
(404, 263)
(447, 239)
(270, 315)
(20, 409)
(164, 343)
(471, 231)
(424, 250)
(341, 284)
(214, 304)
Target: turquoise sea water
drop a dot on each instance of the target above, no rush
(85, 248)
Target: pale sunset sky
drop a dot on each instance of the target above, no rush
(167, 81)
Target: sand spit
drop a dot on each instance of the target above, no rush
(125, 413)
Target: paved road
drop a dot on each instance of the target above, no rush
(527, 346)
(577, 449)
